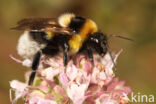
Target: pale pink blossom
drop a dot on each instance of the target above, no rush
(118, 88)
(78, 83)
(39, 100)
(64, 79)
(71, 72)
(106, 99)
(98, 77)
(19, 88)
(77, 92)
(49, 73)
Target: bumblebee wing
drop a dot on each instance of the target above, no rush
(42, 24)
(35, 23)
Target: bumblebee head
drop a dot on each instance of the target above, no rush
(99, 42)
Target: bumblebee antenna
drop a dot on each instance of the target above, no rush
(118, 36)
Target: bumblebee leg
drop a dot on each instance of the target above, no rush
(31, 78)
(36, 61)
(65, 58)
(90, 55)
(35, 64)
(66, 48)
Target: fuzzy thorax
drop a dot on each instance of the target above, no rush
(27, 47)
(65, 19)
(77, 40)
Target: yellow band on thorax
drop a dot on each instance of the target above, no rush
(77, 39)
(88, 28)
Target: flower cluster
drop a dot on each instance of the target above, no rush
(79, 82)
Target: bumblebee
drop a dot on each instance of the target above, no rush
(68, 33)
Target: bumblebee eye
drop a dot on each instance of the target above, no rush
(95, 40)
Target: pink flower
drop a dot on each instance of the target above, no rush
(39, 100)
(106, 99)
(71, 72)
(64, 80)
(79, 83)
(117, 88)
(19, 88)
(49, 73)
(77, 93)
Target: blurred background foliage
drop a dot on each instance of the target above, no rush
(135, 19)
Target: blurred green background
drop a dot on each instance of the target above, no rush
(135, 19)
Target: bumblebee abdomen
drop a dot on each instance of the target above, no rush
(27, 47)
